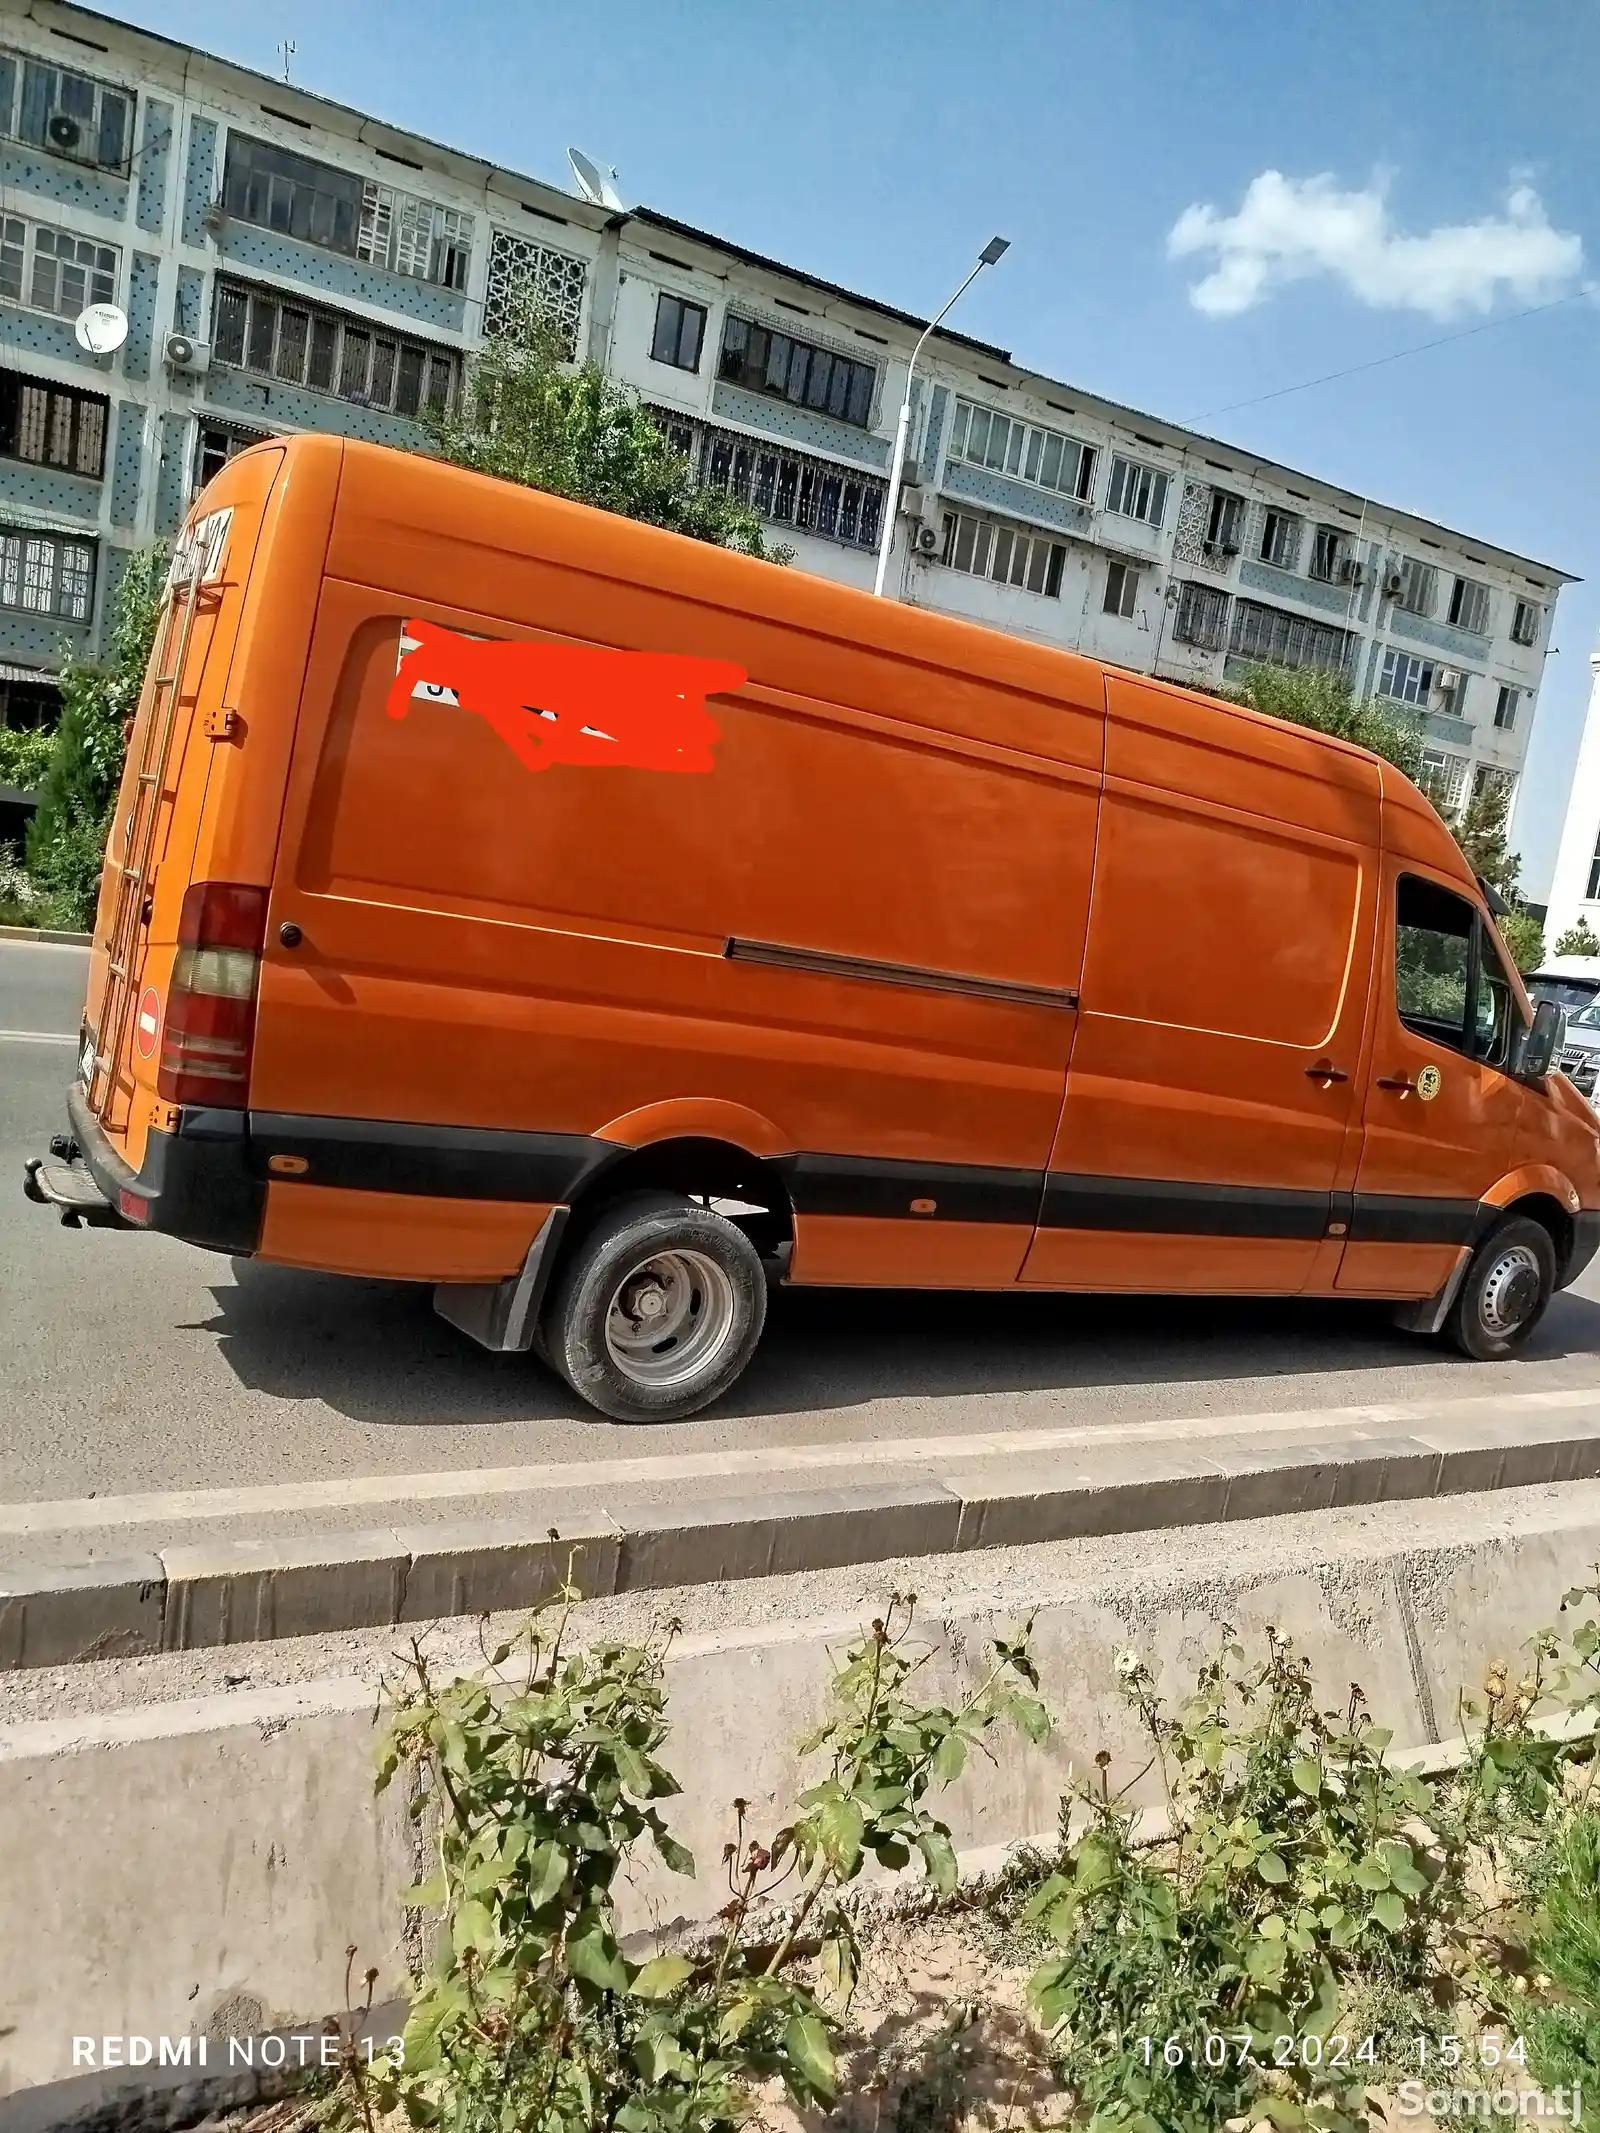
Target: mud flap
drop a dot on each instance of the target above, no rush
(504, 1315)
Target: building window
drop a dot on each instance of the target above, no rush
(1137, 492)
(680, 332)
(1443, 778)
(1048, 458)
(791, 488)
(1277, 638)
(1452, 686)
(44, 574)
(1525, 623)
(766, 361)
(1593, 894)
(1419, 586)
(1330, 552)
(530, 285)
(1122, 589)
(1491, 782)
(1202, 617)
(1505, 710)
(51, 270)
(1225, 526)
(1280, 539)
(1469, 606)
(215, 446)
(327, 353)
(53, 425)
(414, 237)
(292, 194)
(1010, 555)
(64, 113)
(1406, 677)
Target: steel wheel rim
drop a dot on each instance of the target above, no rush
(670, 1318)
(1511, 1289)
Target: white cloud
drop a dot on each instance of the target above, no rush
(1289, 229)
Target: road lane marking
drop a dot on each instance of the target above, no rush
(351, 1492)
(36, 1036)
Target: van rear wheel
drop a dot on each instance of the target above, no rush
(658, 1310)
(1508, 1283)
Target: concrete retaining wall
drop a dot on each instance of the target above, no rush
(179, 1866)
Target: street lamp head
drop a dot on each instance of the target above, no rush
(993, 250)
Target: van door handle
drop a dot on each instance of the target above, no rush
(1326, 1072)
(1402, 1082)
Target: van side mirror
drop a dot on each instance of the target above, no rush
(1543, 1042)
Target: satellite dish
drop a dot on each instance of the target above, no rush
(101, 329)
(592, 181)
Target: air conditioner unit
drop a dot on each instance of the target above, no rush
(1229, 548)
(911, 501)
(1393, 583)
(927, 540)
(65, 133)
(1446, 679)
(1351, 572)
(183, 352)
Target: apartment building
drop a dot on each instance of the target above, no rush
(285, 263)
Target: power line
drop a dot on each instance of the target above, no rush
(1397, 355)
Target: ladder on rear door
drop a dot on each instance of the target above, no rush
(135, 870)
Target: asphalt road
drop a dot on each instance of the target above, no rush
(134, 1362)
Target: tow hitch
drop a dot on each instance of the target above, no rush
(63, 1180)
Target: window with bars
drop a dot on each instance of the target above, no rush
(1202, 617)
(1280, 539)
(763, 360)
(1278, 638)
(680, 330)
(1443, 778)
(1525, 622)
(46, 574)
(414, 237)
(53, 425)
(51, 270)
(1010, 555)
(1406, 677)
(260, 331)
(531, 284)
(1049, 458)
(1419, 586)
(65, 113)
(1137, 492)
(790, 488)
(1505, 710)
(1469, 606)
(1490, 781)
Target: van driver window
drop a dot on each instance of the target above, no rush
(1433, 976)
(1432, 960)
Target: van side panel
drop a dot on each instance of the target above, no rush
(397, 1236)
(543, 952)
(1228, 956)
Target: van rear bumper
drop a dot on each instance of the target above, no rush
(194, 1183)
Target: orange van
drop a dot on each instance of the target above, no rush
(600, 927)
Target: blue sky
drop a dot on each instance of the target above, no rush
(877, 143)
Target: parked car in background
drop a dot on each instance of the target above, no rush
(1573, 982)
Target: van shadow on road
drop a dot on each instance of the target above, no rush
(375, 1352)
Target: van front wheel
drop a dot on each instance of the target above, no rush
(1503, 1296)
(658, 1310)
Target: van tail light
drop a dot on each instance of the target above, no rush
(210, 1024)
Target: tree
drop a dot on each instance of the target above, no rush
(527, 416)
(67, 836)
(1579, 939)
(1307, 696)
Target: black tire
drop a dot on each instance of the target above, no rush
(1503, 1294)
(668, 1267)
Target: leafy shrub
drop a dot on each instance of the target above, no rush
(24, 754)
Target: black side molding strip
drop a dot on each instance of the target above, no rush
(448, 1162)
(1161, 1207)
(824, 963)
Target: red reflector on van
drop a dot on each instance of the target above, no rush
(132, 1207)
(210, 1025)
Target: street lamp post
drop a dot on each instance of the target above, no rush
(986, 258)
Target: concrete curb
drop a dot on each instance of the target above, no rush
(199, 1867)
(216, 1591)
(45, 933)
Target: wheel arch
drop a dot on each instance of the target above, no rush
(700, 1166)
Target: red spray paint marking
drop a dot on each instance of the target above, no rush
(568, 703)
